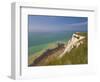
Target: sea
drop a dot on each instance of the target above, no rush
(38, 41)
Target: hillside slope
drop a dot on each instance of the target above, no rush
(74, 52)
(77, 55)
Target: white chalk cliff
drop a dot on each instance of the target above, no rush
(75, 41)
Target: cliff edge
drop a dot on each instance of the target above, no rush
(73, 52)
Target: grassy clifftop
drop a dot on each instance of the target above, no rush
(75, 56)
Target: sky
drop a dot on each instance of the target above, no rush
(39, 23)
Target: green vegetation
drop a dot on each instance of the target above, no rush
(76, 56)
(39, 50)
(36, 51)
(82, 34)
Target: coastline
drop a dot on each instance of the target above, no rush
(52, 55)
(51, 45)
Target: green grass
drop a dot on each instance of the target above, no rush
(83, 34)
(39, 51)
(76, 56)
(36, 51)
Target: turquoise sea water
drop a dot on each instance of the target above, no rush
(37, 41)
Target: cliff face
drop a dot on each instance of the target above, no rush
(75, 41)
(57, 55)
